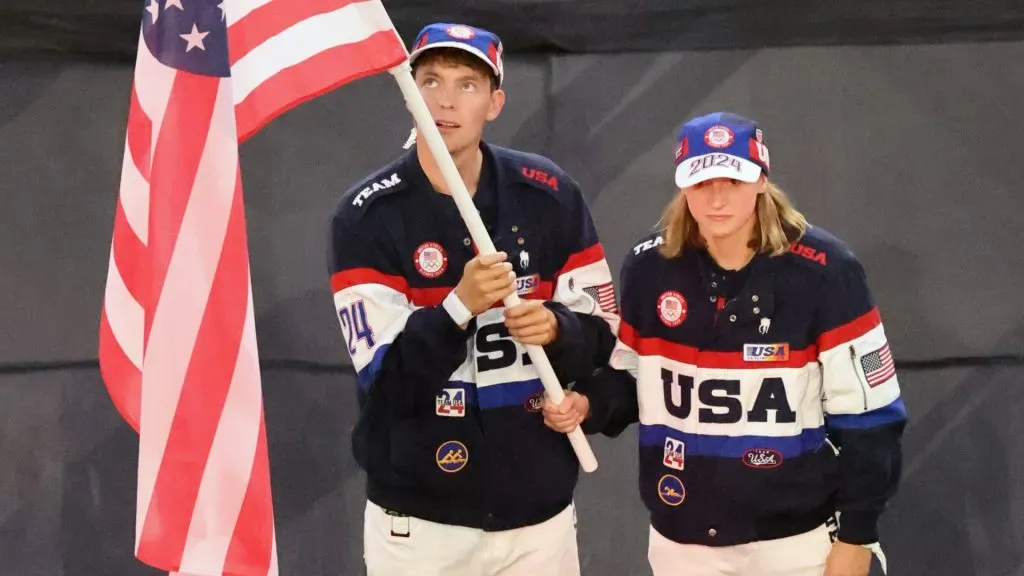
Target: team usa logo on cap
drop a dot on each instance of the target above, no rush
(452, 456)
(719, 137)
(460, 32)
(430, 259)
(671, 308)
(671, 490)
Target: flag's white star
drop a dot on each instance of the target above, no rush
(194, 39)
(223, 11)
(175, 3)
(154, 10)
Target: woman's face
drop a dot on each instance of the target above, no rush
(723, 207)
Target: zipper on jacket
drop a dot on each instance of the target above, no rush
(863, 385)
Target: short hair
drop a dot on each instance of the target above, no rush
(456, 57)
(778, 224)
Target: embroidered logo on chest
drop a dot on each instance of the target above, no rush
(430, 259)
(672, 308)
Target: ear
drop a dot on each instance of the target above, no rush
(497, 103)
(762, 184)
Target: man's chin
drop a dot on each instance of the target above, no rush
(455, 147)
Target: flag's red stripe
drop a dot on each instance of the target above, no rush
(203, 394)
(179, 148)
(140, 135)
(123, 379)
(851, 330)
(315, 76)
(130, 256)
(250, 549)
(650, 346)
(271, 19)
(582, 258)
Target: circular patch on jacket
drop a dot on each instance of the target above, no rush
(671, 308)
(719, 136)
(671, 490)
(431, 260)
(452, 456)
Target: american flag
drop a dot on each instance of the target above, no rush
(604, 294)
(878, 366)
(177, 340)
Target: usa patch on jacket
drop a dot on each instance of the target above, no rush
(766, 352)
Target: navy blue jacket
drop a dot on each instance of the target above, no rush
(449, 427)
(767, 398)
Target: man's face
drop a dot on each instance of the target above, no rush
(460, 100)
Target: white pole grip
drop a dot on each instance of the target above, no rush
(429, 132)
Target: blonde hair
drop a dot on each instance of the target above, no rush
(778, 224)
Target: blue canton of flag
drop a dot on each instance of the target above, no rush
(189, 35)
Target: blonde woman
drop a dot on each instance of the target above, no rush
(753, 356)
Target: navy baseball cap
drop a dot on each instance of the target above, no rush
(481, 43)
(720, 145)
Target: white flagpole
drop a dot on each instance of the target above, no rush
(428, 130)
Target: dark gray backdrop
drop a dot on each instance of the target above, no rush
(912, 154)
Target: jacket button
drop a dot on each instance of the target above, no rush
(712, 532)
(714, 284)
(757, 310)
(732, 318)
(755, 298)
(467, 241)
(713, 299)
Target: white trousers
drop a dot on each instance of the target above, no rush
(405, 546)
(801, 555)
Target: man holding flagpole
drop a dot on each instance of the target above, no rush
(463, 475)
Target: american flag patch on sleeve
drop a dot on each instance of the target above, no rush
(878, 366)
(604, 295)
